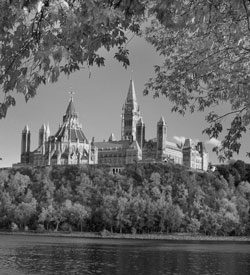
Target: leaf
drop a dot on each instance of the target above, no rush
(205, 49)
(122, 56)
(39, 39)
(3, 110)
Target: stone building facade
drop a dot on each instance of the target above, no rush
(133, 147)
(195, 155)
(128, 149)
(68, 145)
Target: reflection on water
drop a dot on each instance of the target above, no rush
(45, 255)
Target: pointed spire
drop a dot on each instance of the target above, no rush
(43, 127)
(131, 92)
(131, 98)
(71, 94)
(112, 137)
(131, 77)
(26, 129)
(140, 121)
(162, 121)
(71, 111)
(71, 107)
(48, 129)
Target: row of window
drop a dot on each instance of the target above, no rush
(128, 122)
(176, 159)
(111, 155)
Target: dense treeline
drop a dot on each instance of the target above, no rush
(144, 198)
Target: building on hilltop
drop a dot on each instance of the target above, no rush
(133, 147)
(195, 155)
(160, 149)
(69, 145)
(130, 115)
(128, 149)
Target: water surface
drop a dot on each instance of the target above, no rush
(57, 255)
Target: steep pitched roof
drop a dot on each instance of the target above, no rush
(135, 145)
(26, 129)
(131, 96)
(131, 91)
(162, 121)
(71, 107)
(72, 134)
(69, 131)
(71, 111)
(172, 145)
(112, 137)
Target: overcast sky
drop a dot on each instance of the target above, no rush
(99, 96)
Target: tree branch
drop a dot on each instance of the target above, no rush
(246, 10)
(227, 114)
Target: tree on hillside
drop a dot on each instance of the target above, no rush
(24, 212)
(206, 50)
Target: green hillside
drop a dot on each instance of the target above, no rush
(143, 198)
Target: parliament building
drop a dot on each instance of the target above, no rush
(69, 144)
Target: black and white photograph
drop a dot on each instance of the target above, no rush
(124, 137)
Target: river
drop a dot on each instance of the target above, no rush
(59, 255)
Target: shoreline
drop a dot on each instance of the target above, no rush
(165, 237)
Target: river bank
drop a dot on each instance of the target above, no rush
(167, 237)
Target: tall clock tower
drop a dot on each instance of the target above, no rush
(130, 115)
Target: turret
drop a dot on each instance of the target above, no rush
(112, 137)
(204, 155)
(43, 137)
(140, 133)
(25, 145)
(42, 133)
(47, 132)
(187, 151)
(161, 137)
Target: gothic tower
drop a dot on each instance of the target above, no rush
(130, 115)
(187, 151)
(44, 134)
(161, 137)
(140, 133)
(41, 138)
(25, 145)
(204, 155)
(47, 134)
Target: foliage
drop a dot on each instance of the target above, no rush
(205, 45)
(206, 48)
(165, 198)
(41, 39)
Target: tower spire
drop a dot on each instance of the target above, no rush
(71, 95)
(131, 96)
(130, 114)
(25, 145)
(71, 111)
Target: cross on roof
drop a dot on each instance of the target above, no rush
(131, 76)
(71, 95)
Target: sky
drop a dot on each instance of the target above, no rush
(99, 96)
